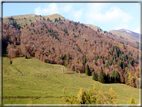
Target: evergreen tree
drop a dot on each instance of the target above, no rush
(64, 98)
(48, 19)
(95, 41)
(42, 49)
(56, 20)
(71, 99)
(124, 65)
(87, 71)
(131, 101)
(107, 78)
(81, 97)
(94, 94)
(113, 76)
(137, 56)
(112, 96)
(68, 58)
(101, 76)
(117, 76)
(95, 76)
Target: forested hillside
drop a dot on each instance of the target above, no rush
(76, 46)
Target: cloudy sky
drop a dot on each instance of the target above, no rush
(108, 16)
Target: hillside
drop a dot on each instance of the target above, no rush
(75, 46)
(127, 34)
(30, 81)
(24, 20)
(95, 28)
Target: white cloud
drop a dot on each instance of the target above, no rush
(113, 14)
(120, 26)
(94, 7)
(67, 8)
(137, 30)
(78, 14)
(90, 13)
(52, 8)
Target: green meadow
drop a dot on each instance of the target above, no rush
(30, 81)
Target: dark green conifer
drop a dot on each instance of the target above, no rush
(113, 76)
(95, 76)
(101, 76)
(87, 71)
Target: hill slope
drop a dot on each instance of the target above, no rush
(23, 20)
(127, 34)
(95, 28)
(29, 81)
(75, 46)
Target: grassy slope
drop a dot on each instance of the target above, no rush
(31, 17)
(125, 35)
(94, 28)
(44, 82)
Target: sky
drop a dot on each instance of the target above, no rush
(107, 16)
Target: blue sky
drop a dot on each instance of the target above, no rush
(108, 16)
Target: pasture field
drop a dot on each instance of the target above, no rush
(30, 81)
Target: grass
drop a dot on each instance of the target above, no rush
(121, 45)
(31, 17)
(29, 81)
(125, 35)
